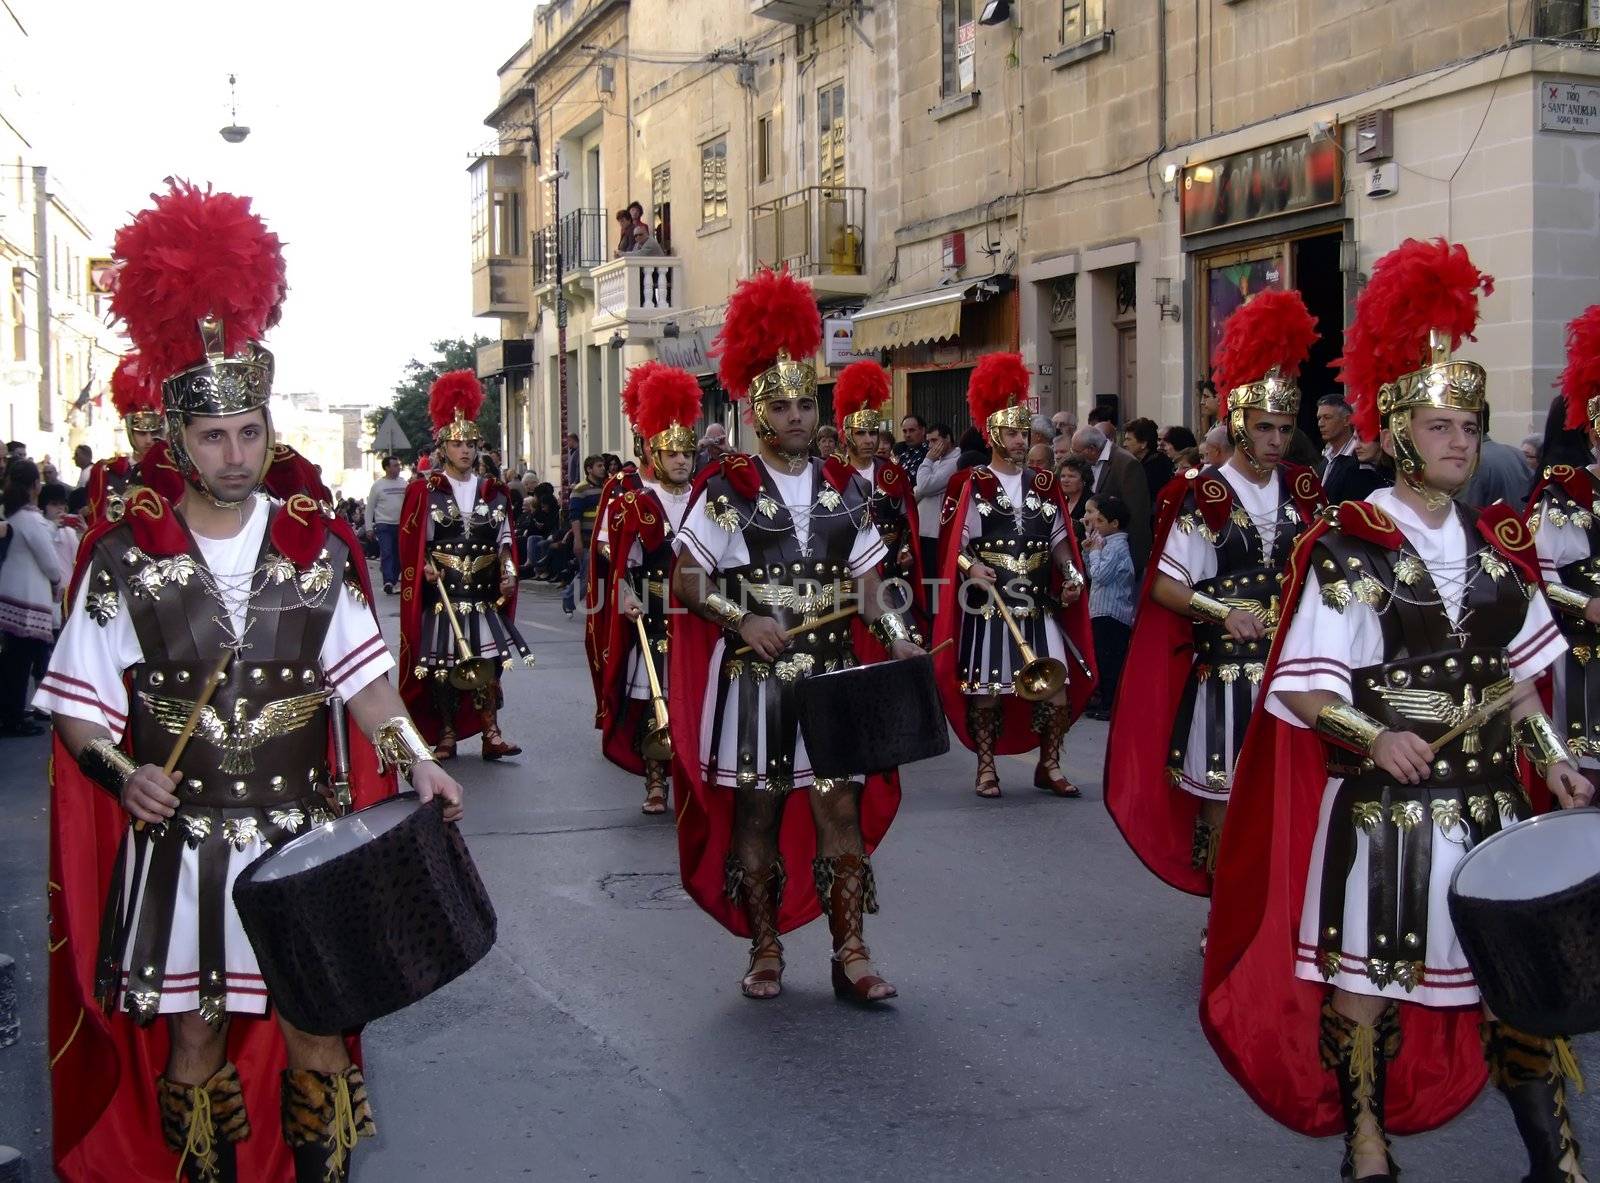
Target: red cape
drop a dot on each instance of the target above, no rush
(418, 692)
(1261, 1019)
(599, 595)
(103, 1067)
(705, 812)
(96, 490)
(1156, 818)
(634, 514)
(1016, 723)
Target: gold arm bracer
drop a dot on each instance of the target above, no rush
(1540, 741)
(1566, 599)
(106, 764)
(889, 628)
(1204, 607)
(1348, 727)
(399, 743)
(724, 611)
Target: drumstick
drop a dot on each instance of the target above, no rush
(837, 614)
(218, 673)
(1480, 715)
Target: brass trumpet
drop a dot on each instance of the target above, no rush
(657, 741)
(1040, 678)
(469, 673)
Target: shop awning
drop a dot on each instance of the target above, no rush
(909, 320)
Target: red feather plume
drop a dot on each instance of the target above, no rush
(455, 390)
(132, 388)
(195, 253)
(637, 377)
(1415, 288)
(1580, 381)
(863, 386)
(998, 380)
(1272, 328)
(772, 311)
(667, 396)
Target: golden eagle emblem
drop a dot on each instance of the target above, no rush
(238, 737)
(1438, 706)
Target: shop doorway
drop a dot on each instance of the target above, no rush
(1315, 272)
(940, 396)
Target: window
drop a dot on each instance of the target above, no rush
(959, 45)
(1081, 19)
(764, 149)
(661, 203)
(830, 135)
(714, 180)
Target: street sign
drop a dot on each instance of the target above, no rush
(1569, 106)
(390, 438)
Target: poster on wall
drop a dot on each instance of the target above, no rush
(1226, 281)
(1282, 178)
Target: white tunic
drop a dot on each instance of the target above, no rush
(1000, 681)
(1187, 557)
(85, 681)
(1323, 645)
(717, 549)
(1557, 546)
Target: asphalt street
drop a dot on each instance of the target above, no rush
(1046, 1027)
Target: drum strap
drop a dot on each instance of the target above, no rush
(211, 905)
(1381, 892)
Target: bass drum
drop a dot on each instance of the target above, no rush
(872, 718)
(1526, 907)
(365, 915)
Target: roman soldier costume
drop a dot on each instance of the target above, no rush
(1333, 872)
(790, 542)
(458, 605)
(1017, 524)
(1564, 518)
(861, 402)
(276, 620)
(636, 534)
(1226, 539)
(137, 399)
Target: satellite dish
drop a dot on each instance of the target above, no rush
(234, 133)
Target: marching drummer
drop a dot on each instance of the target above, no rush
(774, 552)
(1566, 532)
(1211, 602)
(458, 598)
(1022, 665)
(191, 690)
(1395, 709)
(636, 532)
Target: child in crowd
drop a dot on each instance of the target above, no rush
(1112, 588)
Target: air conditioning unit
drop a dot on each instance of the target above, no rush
(790, 12)
(1375, 136)
(606, 79)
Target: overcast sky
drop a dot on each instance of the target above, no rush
(361, 115)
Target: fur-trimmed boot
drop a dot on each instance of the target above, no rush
(202, 1123)
(1050, 723)
(324, 1115)
(848, 890)
(1359, 1056)
(1532, 1072)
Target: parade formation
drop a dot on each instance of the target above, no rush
(1327, 711)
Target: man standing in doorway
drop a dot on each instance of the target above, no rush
(387, 495)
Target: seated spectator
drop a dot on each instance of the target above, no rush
(644, 240)
(1111, 594)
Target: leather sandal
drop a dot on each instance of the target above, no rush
(858, 990)
(756, 977)
(445, 749)
(1050, 780)
(988, 786)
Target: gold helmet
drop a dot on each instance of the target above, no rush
(768, 341)
(1264, 343)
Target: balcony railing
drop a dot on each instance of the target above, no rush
(817, 231)
(637, 287)
(580, 237)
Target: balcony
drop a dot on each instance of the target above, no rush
(580, 240)
(512, 355)
(636, 288)
(500, 287)
(789, 12)
(819, 233)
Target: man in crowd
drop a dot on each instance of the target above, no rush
(569, 461)
(933, 477)
(1338, 437)
(1065, 423)
(1503, 473)
(1118, 473)
(582, 509)
(913, 445)
(83, 457)
(384, 499)
(1216, 448)
(1144, 444)
(713, 446)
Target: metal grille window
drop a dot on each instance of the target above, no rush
(714, 180)
(958, 45)
(1081, 19)
(830, 135)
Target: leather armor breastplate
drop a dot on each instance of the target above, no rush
(649, 581)
(262, 739)
(466, 549)
(783, 581)
(1018, 550)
